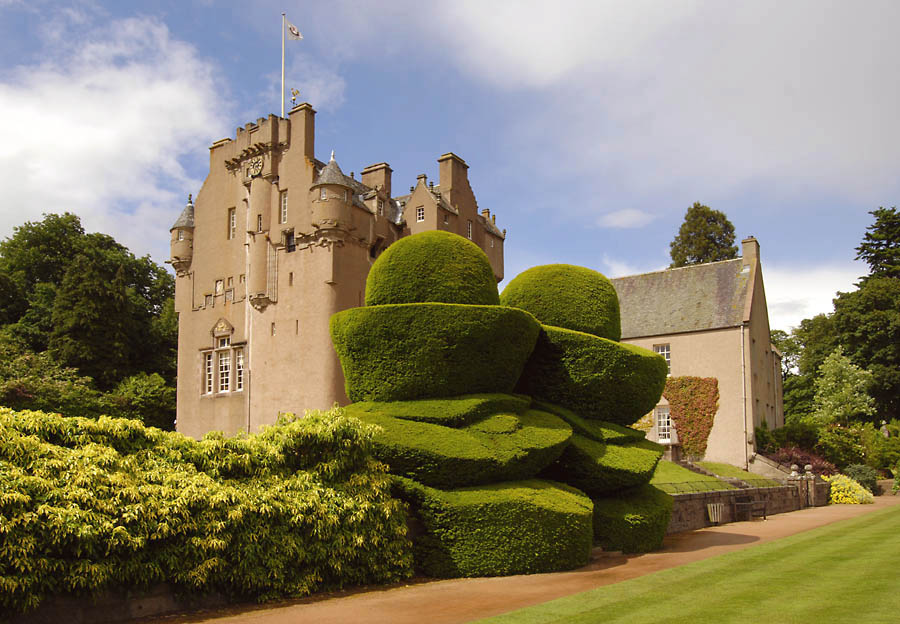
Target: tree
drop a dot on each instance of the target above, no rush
(790, 349)
(842, 392)
(880, 248)
(705, 236)
(867, 324)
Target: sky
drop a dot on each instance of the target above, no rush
(589, 127)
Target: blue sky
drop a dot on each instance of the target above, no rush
(589, 127)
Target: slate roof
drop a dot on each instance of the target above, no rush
(692, 298)
(186, 219)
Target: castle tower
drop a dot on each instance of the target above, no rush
(181, 245)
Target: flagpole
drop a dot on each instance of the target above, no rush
(283, 19)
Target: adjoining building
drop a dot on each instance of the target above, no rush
(276, 242)
(710, 320)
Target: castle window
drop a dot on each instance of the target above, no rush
(207, 373)
(238, 370)
(224, 371)
(469, 230)
(259, 223)
(232, 223)
(229, 294)
(322, 193)
(273, 329)
(291, 278)
(282, 217)
(663, 425)
(220, 286)
(446, 218)
(181, 235)
(230, 282)
(420, 214)
(208, 300)
(346, 197)
(492, 243)
(380, 208)
(224, 342)
(666, 352)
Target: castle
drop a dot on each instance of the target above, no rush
(276, 242)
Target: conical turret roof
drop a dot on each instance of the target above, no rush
(332, 174)
(186, 220)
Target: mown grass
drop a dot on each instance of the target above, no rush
(843, 572)
(727, 470)
(668, 475)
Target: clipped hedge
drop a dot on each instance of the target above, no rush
(632, 521)
(501, 447)
(597, 468)
(432, 267)
(450, 412)
(599, 430)
(431, 350)
(88, 505)
(567, 296)
(520, 527)
(595, 377)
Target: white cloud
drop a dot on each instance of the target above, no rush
(102, 128)
(796, 293)
(614, 267)
(628, 218)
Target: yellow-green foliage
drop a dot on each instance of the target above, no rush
(516, 527)
(595, 377)
(450, 412)
(599, 469)
(599, 430)
(632, 521)
(500, 447)
(567, 296)
(846, 491)
(432, 267)
(87, 505)
(430, 350)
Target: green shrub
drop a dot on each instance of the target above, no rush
(450, 412)
(796, 432)
(147, 398)
(841, 445)
(765, 441)
(89, 505)
(846, 491)
(428, 350)
(632, 521)
(866, 476)
(432, 267)
(567, 296)
(517, 527)
(598, 469)
(599, 430)
(595, 377)
(501, 447)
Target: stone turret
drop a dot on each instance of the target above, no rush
(182, 240)
(331, 197)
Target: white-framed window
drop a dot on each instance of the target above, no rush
(663, 424)
(181, 235)
(224, 370)
(220, 286)
(207, 373)
(282, 216)
(380, 207)
(224, 342)
(665, 351)
(232, 223)
(420, 214)
(469, 230)
(238, 370)
(322, 193)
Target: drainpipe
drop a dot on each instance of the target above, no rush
(744, 398)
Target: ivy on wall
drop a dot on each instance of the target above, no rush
(693, 402)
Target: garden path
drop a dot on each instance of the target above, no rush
(466, 600)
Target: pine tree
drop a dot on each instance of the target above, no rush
(880, 248)
(705, 236)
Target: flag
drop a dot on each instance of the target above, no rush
(293, 32)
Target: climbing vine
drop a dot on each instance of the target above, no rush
(693, 402)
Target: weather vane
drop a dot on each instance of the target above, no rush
(294, 94)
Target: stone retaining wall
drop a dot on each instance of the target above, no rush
(689, 511)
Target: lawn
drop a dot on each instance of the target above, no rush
(672, 478)
(727, 470)
(843, 572)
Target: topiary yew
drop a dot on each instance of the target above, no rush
(432, 267)
(572, 297)
(632, 521)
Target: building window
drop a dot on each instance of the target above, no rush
(273, 329)
(469, 230)
(346, 196)
(181, 235)
(492, 243)
(229, 294)
(207, 373)
(446, 218)
(224, 371)
(663, 425)
(322, 193)
(230, 282)
(380, 207)
(232, 223)
(208, 300)
(259, 223)
(282, 216)
(291, 278)
(238, 370)
(666, 352)
(223, 343)
(420, 214)
(220, 286)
